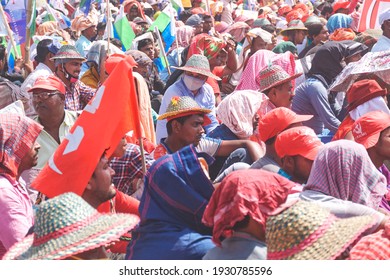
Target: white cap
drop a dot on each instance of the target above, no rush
(384, 16)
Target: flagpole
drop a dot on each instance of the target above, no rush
(9, 32)
(108, 13)
(141, 147)
(178, 54)
(161, 45)
(28, 33)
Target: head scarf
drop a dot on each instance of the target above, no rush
(250, 192)
(194, 20)
(238, 30)
(206, 45)
(82, 22)
(375, 104)
(183, 34)
(338, 21)
(140, 57)
(342, 34)
(344, 170)
(98, 52)
(17, 136)
(327, 60)
(47, 28)
(221, 26)
(236, 111)
(286, 46)
(258, 61)
(128, 4)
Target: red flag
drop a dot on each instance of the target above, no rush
(370, 14)
(104, 121)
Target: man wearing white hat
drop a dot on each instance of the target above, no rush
(383, 43)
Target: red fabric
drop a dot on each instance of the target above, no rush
(363, 91)
(344, 128)
(129, 3)
(252, 192)
(108, 116)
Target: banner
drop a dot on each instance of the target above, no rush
(370, 14)
(17, 12)
(111, 114)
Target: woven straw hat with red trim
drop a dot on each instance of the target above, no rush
(274, 75)
(67, 225)
(198, 64)
(306, 231)
(183, 106)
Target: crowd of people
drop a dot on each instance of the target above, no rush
(246, 150)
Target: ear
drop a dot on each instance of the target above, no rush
(176, 127)
(288, 164)
(272, 94)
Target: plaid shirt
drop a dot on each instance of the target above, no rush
(78, 96)
(128, 168)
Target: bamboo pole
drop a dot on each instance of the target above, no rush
(30, 11)
(161, 45)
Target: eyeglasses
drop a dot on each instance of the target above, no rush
(43, 95)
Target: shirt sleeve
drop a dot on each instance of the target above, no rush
(208, 145)
(319, 100)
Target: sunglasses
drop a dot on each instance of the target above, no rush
(43, 95)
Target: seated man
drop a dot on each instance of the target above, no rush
(185, 126)
(297, 148)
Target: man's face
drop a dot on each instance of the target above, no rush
(101, 181)
(198, 29)
(191, 131)
(90, 32)
(282, 95)
(298, 167)
(73, 67)
(323, 36)
(143, 69)
(48, 103)
(383, 145)
(207, 24)
(133, 13)
(299, 36)
(30, 159)
(148, 50)
(258, 44)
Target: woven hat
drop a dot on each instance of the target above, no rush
(306, 231)
(277, 120)
(68, 52)
(367, 129)
(198, 64)
(52, 83)
(67, 225)
(375, 246)
(295, 24)
(183, 106)
(274, 75)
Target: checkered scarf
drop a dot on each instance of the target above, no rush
(17, 136)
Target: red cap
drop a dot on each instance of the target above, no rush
(367, 129)
(363, 91)
(278, 120)
(298, 141)
(52, 83)
(340, 5)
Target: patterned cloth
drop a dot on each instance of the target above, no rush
(238, 30)
(184, 35)
(176, 193)
(338, 20)
(375, 246)
(18, 135)
(250, 192)
(237, 111)
(78, 96)
(206, 45)
(128, 168)
(344, 170)
(259, 61)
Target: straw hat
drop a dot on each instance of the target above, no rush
(68, 52)
(274, 75)
(306, 231)
(295, 24)
(198, 64)
(67, 225)
(183, 106)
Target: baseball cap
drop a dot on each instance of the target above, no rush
(298, 141)
(278, 120)
(51, 83)
(367, 129)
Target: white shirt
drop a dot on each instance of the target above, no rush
(383, 44)
(42, 70)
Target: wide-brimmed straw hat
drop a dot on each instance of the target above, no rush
(274, 75)
(198, 64)
(184, 106)
(295, 24)
(306, 231)
(67, 225)
(68, 52)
